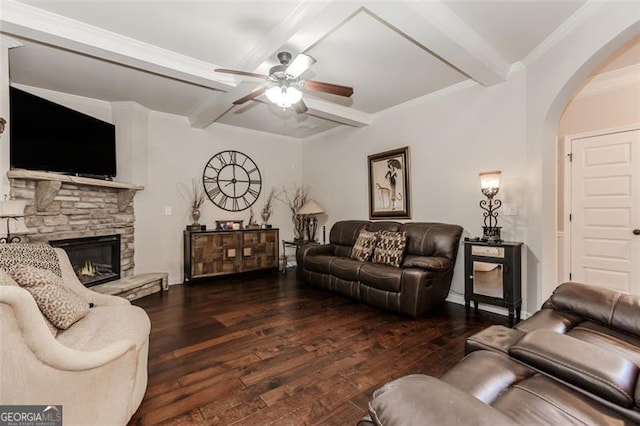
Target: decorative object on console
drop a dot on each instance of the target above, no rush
(228, 225)
(309, 212)
(490, 185)
(2, 124)
(267, 210)
(13, 212)
(232, 180)
(197, 200)
(389, 185)
(252, 224)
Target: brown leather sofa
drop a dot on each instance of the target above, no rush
(420, 283)
(576, 361)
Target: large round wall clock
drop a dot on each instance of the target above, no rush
(232, 180)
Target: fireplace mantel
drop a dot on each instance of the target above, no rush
(48, 185)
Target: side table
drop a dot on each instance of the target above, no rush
(493, 275)
(290, 244)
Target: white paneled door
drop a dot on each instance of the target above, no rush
(605, 210)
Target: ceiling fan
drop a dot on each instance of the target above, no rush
(283, 83)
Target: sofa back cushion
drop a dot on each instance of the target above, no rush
(612, 308)
(345, 232)
(432, 239)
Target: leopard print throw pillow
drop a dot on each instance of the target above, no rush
(38, 255)
(59, 304)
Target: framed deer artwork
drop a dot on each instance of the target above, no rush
(389, 194)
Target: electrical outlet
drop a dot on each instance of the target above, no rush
(167, 211)
(509, 209)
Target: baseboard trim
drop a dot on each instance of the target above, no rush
(459, 299)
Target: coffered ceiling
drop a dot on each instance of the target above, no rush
(162, 54)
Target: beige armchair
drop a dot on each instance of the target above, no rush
(96, 369)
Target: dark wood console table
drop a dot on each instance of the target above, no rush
(215, 253)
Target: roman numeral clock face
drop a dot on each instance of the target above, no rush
(232, 181)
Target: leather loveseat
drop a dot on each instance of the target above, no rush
(419, 283)
(576, 361)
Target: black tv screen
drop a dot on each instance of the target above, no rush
(50, 137)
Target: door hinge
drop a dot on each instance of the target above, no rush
(569, 275)
(570, 217)
(570, 155)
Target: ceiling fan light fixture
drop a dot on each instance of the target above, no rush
(283, 96)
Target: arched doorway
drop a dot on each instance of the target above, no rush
(602, 31)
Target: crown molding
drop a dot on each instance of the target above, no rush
(26, 21)
(8, 42)
(612, 80)
(578, 17)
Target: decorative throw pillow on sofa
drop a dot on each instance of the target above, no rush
(363, 248)
(390, 248)
(38, 255)
(60, 304)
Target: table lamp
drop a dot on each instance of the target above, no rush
(309, 211)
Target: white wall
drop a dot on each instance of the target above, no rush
(450, 139)
(176, 154)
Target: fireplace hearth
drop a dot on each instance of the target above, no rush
(95, 260)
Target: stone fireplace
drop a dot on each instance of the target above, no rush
(95, 260)
(61, 207)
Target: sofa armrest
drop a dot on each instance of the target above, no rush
(422, 400)
(29, 324)
(429, 263)
(579, 363)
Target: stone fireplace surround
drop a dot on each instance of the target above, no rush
(61, 207)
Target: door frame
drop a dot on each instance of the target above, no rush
(567, 139)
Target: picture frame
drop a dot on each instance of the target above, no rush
(389, 189)
(228, 225)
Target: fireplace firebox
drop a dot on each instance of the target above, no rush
(95, 260)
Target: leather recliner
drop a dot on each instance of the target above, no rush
(420, 283)
(576, 361)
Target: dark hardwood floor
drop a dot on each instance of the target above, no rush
(265, 349)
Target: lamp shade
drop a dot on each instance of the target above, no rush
(311, 207)
(490, 180)
(12, 208)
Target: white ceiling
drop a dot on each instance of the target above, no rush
(161, 54)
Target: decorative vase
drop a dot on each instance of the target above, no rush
(266, 214)
(195, 214)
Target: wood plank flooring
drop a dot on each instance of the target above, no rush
(267, 350)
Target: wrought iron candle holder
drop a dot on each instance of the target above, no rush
(490, 185)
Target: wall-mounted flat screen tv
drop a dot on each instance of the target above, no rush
(50, 137)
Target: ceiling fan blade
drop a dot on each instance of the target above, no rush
(244, 73)
(300, 107)
(334, 89)
(300, 64)
(254, 94)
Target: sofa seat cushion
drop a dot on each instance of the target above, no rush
(345, 268)
(103, 326)
(320, 263)
(381, 276)
(625, 345)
